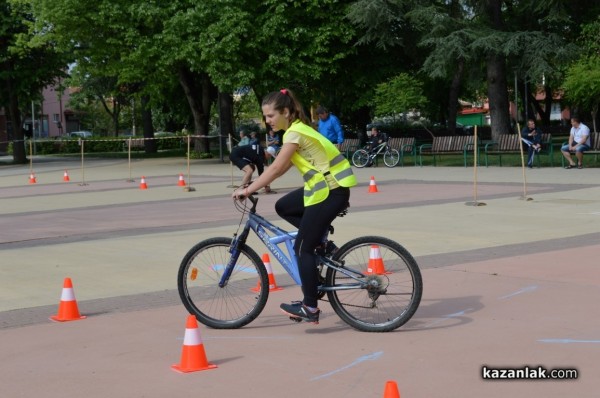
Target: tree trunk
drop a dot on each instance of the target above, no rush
(114, 114)
(209, 95)
(19, 153)
(543, 112)
(198, 96)
(453, 95)
(226, 122)
(498, 96)
(496, 77)
(150, 145)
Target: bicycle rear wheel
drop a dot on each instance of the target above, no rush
(232, 306)
(360, 158)
(393, 290)
(391, 157)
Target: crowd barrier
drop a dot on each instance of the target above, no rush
(129, 143)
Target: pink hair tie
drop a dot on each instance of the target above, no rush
(283, 91)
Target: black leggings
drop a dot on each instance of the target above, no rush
(312, 223)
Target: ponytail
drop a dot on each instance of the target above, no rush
(285, 98)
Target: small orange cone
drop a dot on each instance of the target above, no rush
(193, 356)
(272, 284)
(376, 262)
(181, 182)
(67, 309)
(143, 184)
(391, 390)
(32, 179)
(66, 176)
(373, 186)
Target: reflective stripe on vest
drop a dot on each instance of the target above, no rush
(316, 188)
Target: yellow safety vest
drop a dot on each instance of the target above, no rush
(316, 188)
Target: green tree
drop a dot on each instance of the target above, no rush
(487, 41)
(26, 67)
(582, 82)
(401, 94)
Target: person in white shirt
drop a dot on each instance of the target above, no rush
(579, 142)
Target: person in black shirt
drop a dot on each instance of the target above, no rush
(248, 158)
(532, 137)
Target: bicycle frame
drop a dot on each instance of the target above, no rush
(377, 150)
(260, 226)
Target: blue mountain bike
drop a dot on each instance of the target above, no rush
(372, 283)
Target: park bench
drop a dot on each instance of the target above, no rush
(510, 144)
(447, 145)
(405, 146)
(594, 150)
(348, 147)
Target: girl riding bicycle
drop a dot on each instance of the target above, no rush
(327, 178)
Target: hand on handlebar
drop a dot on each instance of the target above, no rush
(239, 194)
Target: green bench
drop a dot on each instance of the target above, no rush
(405, 146)
(447, 145)
(348, 147)
(511, 144)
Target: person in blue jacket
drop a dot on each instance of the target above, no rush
(329, 126)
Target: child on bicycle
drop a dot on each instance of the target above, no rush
(327, 177)
(376, 138)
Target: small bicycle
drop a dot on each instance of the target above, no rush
(366, 156)
(372, 283)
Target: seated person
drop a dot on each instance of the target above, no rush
(254, 138)
(244, 139)
(273, 142)
(579, 142)
(376, 138)
(532, 136)
(247, 158)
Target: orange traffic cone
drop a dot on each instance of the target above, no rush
(143, 184)
(376, 262)
(32, 179)
(272, 284)
(181, 182)
(67, 309)
(373, 186)
(391, 390)
(66, 176)
(193, 356)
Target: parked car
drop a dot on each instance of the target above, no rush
(80, 134)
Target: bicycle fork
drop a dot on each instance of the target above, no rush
(235, 250)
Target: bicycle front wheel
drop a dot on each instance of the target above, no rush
(391, 157)
(239, 301)
(392, 290)
(360, 158)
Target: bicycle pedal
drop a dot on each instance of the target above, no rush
(296, 319)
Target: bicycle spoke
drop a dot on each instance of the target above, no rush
(235, 304)
(393, 285)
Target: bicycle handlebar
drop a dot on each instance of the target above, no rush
(253, 199)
